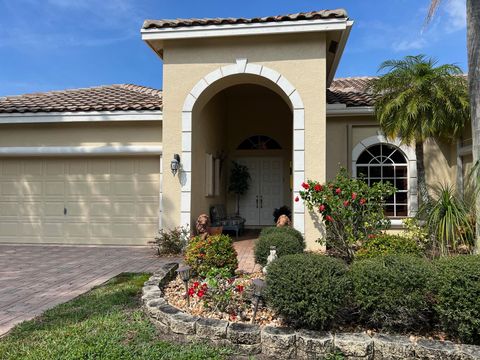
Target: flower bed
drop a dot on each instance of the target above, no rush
(230, 300)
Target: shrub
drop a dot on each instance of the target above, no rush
(351, 209)
(457, 296)
(391, 292)
(448, 220)
(385, 244)
(205, 254)
(171, 242)
(286, 240)
(307, 289)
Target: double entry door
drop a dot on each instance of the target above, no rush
(265, 192)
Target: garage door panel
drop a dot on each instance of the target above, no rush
(108, 200)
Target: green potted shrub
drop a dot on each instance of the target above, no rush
(239, 182)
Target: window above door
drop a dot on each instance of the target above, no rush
(259, 142)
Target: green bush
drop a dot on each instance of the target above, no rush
(456, 288)
(171, 242)
(392, 292)
(285, 239)
(283, 230)
(308, 289)
(385, 244)
(214, 252)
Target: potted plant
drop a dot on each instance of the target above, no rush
(239, 182)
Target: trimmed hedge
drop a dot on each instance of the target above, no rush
(386, 244)
(456, 289)
(392, 292)
(308, 289)
(285, 239)
(214, 252)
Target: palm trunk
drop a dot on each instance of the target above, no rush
(473, 40)
(423, 195)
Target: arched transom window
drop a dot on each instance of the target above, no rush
(259, 142)
(387, 163)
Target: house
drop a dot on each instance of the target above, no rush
(94, 166)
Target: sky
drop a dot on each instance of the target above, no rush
(60, 44)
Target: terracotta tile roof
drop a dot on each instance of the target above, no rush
(101, 98)
(350, 91)
(312, 15)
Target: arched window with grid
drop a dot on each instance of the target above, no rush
(387, 163)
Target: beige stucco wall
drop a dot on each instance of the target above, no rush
(76, 134)
(343, 133)
(299, 58)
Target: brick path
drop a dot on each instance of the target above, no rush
(34, 278)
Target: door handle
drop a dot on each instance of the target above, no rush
(261, 201)
(257, 201)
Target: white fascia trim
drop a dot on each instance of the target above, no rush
(465, 150)
(84, 116)
(286, 27)
(339, 53)
(80, 150)
(334, 110)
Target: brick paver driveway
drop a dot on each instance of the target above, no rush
(34, 278)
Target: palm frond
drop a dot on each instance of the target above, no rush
(432, 11)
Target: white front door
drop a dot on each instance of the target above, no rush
(266, 190)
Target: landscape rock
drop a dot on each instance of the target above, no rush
(439, 350)
(213, 329)
(278, 342)
(246, 334)
(313, 344)
(354, 346)
(182, 323)
(393, 347)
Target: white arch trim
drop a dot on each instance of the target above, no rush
(409, 153)
(243, 67)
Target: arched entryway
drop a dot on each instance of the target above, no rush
(210, 127)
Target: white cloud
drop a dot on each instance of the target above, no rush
(456, 15)
(405, 45)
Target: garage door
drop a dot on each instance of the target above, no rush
(79, 200)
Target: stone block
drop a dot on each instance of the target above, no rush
(149, 288)
(182, 323)
(468, 352)
(392, 347)
(278, 342)
(245, 349)
(165, 312)
(152, 295)
(245, 334)
(354, 346)
(439, 350)
(212, 329)
(313, 344)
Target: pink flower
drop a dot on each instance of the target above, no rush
(305, 186)
(297, 199)
(363, 201)
(346, 203)
(338, 191)
(329, 218)
(354, 196)
(318, 187)
(321, 208)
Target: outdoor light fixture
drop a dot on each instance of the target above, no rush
(185, 273)
(259, 285)
(175, 164)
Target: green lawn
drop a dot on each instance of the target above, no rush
(105, 323)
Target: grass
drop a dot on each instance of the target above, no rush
(105, 323)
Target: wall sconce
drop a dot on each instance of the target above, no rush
(175, 164)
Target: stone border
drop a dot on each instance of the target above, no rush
(287, 343)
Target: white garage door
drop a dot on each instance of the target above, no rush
(79, 200)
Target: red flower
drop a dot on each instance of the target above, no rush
(297, 199)
(363, 201)
(318, 187)
(346, 203)
(354, 196)
(204, 286)
(305, 186)
(240, 288)
(329, 218)
(233, 316)
(196, 284)
(338, 191)
(321, 208)
(191, 291)
(200, 293)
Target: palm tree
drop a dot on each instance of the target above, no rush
(473, 50)
(417, 100)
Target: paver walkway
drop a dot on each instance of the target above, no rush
(34, 278)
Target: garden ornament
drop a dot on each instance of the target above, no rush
(283, 220)
(203, 222)
(272, 257)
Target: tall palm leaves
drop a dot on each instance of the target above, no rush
(417, 100)
(473, 50)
